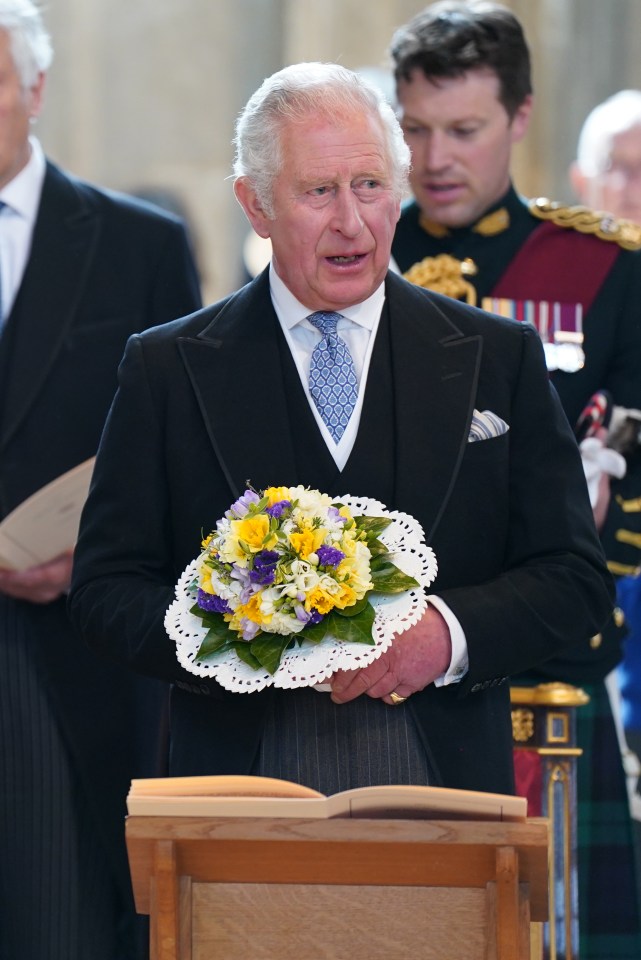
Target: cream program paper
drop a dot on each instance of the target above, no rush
(46, 524)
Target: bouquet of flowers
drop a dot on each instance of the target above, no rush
(289, 567)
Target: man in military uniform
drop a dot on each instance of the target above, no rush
(463, 84)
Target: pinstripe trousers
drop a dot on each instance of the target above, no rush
(331, 747)
(57, 899)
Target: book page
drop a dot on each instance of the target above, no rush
(265, 797)
(46, 524)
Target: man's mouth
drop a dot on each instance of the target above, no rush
(442, 188)
(354, 258)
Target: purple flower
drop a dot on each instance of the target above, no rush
(329, 556)
(305, 617)
(211, 603)
(264, 570)
(279, 508)
(334, 514)
(249, 629)
(241, 506)
(243, 576)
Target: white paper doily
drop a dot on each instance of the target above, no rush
(310, 664)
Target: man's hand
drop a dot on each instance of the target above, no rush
(415, 659)
(41, 584)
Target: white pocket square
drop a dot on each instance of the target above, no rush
(486, 425)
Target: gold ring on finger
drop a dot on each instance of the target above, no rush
(396, 699)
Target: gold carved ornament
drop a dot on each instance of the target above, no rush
(445, 274)
(596, 222)
(522, 724)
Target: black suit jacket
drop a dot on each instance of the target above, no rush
(101, 267)
(612, 345)
(202, 407)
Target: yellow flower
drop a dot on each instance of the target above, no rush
(319, 599)
(345, 597)
(356, 567)
(252, 611)
(276, 494)
(307, 541)
(207, 541)
(254, 531)
(205, 579)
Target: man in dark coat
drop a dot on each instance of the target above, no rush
(81, 270)
(464, 90)
(223, 395)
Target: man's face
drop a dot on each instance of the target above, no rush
(17, 106)
(335, 210)
(461, 140)
(618, 188)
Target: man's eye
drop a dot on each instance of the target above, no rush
(318, 191)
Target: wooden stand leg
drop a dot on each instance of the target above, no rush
(164, 914)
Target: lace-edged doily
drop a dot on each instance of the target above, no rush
(309, 664)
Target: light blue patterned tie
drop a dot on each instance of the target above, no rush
(332, 377)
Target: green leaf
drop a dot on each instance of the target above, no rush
(387, 578)
(258, 507)
(377, 547)
(352, 611)
(218, 638)
(269, 648)
(373, 526)
(244, 653)
(314, 632)
(207, 617)
(356, 629)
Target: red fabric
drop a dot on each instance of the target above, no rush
(528, 773)
(558, 265)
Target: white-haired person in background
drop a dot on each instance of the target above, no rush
(606, 174)
(80, 270)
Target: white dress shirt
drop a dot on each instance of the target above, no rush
(357, 326)
(21, 197)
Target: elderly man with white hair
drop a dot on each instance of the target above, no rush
(606, 174)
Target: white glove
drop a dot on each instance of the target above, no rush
(598, 459)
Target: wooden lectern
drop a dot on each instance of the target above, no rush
(338, 889)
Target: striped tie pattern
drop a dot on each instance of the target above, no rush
(332, 378)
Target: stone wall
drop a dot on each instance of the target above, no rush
(143, 94)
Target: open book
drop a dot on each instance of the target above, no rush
(46, 524)
(246, 796)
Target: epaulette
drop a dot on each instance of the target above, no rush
(626, 233)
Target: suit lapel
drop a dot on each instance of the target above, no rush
(62, 250)
(235, 369)
(435, 375)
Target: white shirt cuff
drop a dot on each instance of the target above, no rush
(460, 661)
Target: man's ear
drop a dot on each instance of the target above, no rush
(521, 120)
(37, 94)
(579, 182)
(246, 196)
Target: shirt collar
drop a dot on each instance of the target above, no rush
(22, 194)
(291, 311)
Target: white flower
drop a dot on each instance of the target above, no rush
(311, 503)
(283, 623)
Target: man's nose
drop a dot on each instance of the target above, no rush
(436, 152)
(348, 219)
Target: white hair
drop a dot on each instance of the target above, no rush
(615, 115)
(294, 94)
(30, 43)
